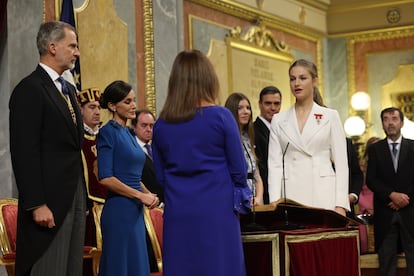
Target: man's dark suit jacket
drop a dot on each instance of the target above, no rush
(261, 140)
(355, 173)
(382, 180)
(45, 148)
(149, 179)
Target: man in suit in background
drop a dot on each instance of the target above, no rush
(46, 131)
(142, 126)
(270, 100)
(390, 175)
(355, 176)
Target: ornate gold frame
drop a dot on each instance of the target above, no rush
(315, 237)
(368, 36)
(149, 64)
(274, 239)
(254, 15)
(353, 38)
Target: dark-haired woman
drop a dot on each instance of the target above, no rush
(120, 163)
(239, 105)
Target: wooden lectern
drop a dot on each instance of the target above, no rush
(293, 239)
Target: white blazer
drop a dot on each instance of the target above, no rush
(309, 176)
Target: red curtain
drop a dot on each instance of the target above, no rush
(325, 257)
(258, 258)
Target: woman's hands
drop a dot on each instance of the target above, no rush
(340, 210)
(257, 201)
(150, 200)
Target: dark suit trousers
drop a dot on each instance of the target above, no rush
(64, 257)
(387, 253)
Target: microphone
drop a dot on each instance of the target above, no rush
(284, 183)
(253, 226)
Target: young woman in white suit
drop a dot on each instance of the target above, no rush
(307, 148)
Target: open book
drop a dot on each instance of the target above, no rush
(303, 213)
(281, 202)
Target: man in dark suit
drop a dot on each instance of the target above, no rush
(390, 175)
(46, 131)
(270, 100)
(142, 126)
(355, 176)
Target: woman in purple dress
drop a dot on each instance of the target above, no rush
(199, 161)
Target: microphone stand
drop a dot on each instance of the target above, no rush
(253, 226)
(287, 225)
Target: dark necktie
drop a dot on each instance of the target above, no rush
(394, 149)
(149, 150)
(65, 90)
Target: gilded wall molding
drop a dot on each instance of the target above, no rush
(363, 37)
(371, 36)
(357, 6)
(255, 15)
(149, 63)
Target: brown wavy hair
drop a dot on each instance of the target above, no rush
(192, 80)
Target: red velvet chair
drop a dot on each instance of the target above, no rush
(8, 227)
(154, 223)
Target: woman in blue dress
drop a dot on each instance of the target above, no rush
(239, 106)
(120, 163)
(199, 161)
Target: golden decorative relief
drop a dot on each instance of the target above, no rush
(399, 92)
(255, 59)
(259, 36)
(405, 102)
(302, 15)
(259, 4)
(393, 16)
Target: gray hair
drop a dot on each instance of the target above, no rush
(51, 31)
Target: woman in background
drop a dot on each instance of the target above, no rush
(239, 106)
(120, 163)
(198, 159)
(304, 142)
(366, 200)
